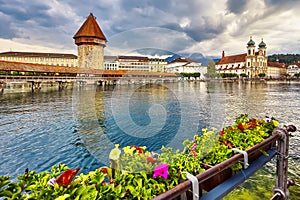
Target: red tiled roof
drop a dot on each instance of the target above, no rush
(35, 54)
(90, 28)
(296, 63)
(276, 64)
(232, 59)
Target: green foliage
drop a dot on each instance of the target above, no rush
(211, 69)
(261, 75)
(243, 75)
(297, 75)
(228, 75)
(284, 58)
(197, 74)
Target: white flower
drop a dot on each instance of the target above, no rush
(115, 153)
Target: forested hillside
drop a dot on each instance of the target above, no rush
(284, 58)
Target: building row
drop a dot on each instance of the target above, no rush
(129, 63)
(254, 64)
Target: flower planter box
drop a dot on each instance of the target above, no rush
(217, 179)
(256, 154)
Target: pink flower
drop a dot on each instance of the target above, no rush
(195, 155)
(193, 147)
(161, 170)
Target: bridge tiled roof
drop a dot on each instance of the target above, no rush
(90, 28)
(35, 54)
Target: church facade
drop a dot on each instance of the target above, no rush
(250, 64)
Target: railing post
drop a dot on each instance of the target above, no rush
(281, 188)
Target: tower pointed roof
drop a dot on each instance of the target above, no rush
(90, 28)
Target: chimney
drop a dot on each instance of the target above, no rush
(223, 54)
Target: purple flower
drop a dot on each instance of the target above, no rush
(161, 170)
(268, 119)
(52, 181)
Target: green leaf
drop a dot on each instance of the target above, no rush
(6, 193)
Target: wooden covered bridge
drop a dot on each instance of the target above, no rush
(37, 74)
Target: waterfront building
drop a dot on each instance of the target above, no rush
(251, 64)
(184, 65)
(133, 63)
(276, 70)
(57, 59)
(91, 42)
(293, 69)
(157, 65)
(111, 63)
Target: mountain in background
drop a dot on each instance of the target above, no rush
(170, 56)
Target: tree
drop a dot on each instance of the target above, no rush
(261, 75)
(211, 69)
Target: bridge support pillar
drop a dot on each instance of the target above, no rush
(35, 86)
(62, 85)
(2, 87)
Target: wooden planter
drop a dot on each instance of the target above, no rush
(217, 179)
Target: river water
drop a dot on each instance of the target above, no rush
(80, 126)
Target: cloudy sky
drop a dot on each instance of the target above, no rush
(191, 26)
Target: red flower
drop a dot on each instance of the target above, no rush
(66, 178)
(241, 127)
(138, 149)
(222, 132)
(151, 160)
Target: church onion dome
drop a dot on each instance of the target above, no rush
(251, 42)
(262, 44)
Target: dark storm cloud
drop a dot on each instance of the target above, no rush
(6, 31)
(33, 12)
(22, 10)
(236, 6)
